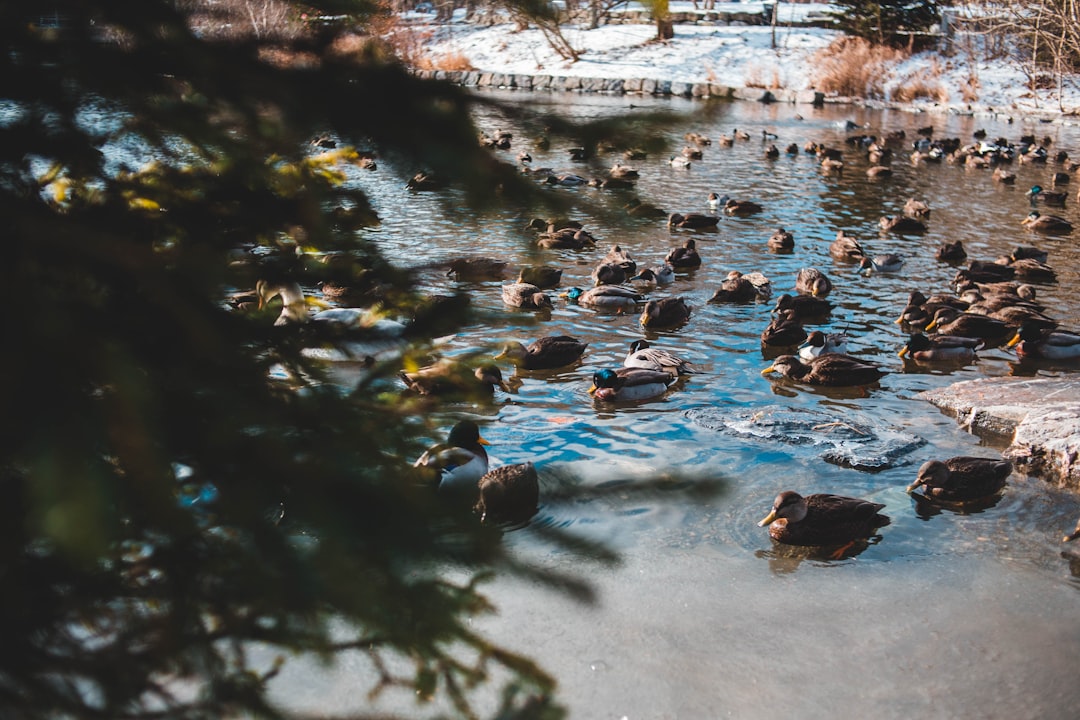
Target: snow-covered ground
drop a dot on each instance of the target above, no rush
(734, 55)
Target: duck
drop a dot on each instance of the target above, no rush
(426, 181)
(542, 276)
(525, 296)
(618, 170)
(886, 263)
(781, 240)
(1037, 194)
(902, 225)
(544, 353)
(1048, 224)
(680, 162)
(1030, 269)
(739, 288)
(917, 209)
(460, 462)
(951, 252)
(1033, 342)
(1028, 252)
(508, 494)
(566, 239)
(629, 384)
(606, 297)
(846, 248)
(811, 281)
(567, 180)
(617, 256)
(608, 273)
(666, 312)
(819, 343)
(804, 308)
(1003, 176)
(692, 221)
(685, 257)
(656, 277)
(643, 355)
(950, 321)
(637, 208)
(940, 348)
(831, 369)
(783, 331)
(454, 379)
(741, 208)
(714, 200)
(476, 268)
(822, 519)
(961, 479)
(294, 304)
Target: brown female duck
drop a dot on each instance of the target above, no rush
(832, 370)
(822, 519)
(544, 353)
(961, 479)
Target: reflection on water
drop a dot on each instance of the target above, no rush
(943, 614)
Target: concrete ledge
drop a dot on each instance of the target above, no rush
(1040, 418)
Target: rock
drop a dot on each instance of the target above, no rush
(844, 440)
(1039, 416)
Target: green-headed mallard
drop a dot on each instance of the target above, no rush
(811, 281)
(460, 462)
(685, 257)
(846, 248)
(940, 348)
(454, 379)
(613, 298)
(818, 343)
(666, 312)
(643, 355)
(832, 369)
(961, 478)
(542, 276)
(1037, 194)
(781, 240)
(525, 296)
(544, 353)
(950, 321)
(1034, 342)
(509, 494)
(628, 384)
(692, 221)
(822, 519)
(1048, 224)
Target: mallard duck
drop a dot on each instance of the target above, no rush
(454, 379)
(637, 208)
(628, 384)
(643, 355)
(608, 273)
(1017, 315)
(525, 296)
(611, 183)
(685, 257)
(617, 256)
(566, 239)
(832, 369)
(811, 281)
(567, 180)
(846, 248)
(659, 276)
(666, 312)
(951, 252)
(940, 348)
(822, 519)
(1030, 270)
(544, 353)
(818, 343)
(917, 209)
(509, 494)
(691, 153)
(950, 321)
(781, 240)
(1048, 224)
(618, 170)
(738, 288)
(902, 225)
(783, 331)
(1037, 194)
(741, 208)
(1028, 252)
(476, 268)
(692, 221)
(460, 462)
(1032, 342)
(886, 263)
(542, 276)
(606, 297)
(961, 478)
(803, 308)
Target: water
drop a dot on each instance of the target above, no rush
(945, 615)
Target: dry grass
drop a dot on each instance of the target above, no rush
(765, 78)
(449, 61)
(853, 67)
(923, 83)
(969, 91)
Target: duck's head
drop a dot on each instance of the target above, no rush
(605, 378)
(572, 294)
(674, 218)
(932, 472)
(1028, 331)
(491, 375)
(512, 350)
(466, 434)
(647, 275)
(915, 343)
(1035, 190)
(638, 345)
(788, 505)
(787, 365)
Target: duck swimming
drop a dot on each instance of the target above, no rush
(1034, 342)
(606, 297)
(508, 494)
(940, 348)
(781, 240)
(453, 379)
(658, 276)
(685, 257)
(460, 462)
(692, 221)
(961, 478)
(1048, 224)
(629, 384)
(525, 296)
(666, 312)
(831, 369)
(819, 343)
(643, 355)
(811, 281)
(544, 353)
(822, 519)
(846, 248)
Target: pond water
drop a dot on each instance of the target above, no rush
(944, 615)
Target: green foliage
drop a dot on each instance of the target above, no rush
(886, 22)
(146, 173)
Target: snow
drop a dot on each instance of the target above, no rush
(737, 56)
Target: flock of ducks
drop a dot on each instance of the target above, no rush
(992, 303)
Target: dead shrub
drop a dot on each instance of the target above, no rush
(853, 67)
(969, 91)
(924, 83)
(449, 61)
(764, 78)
